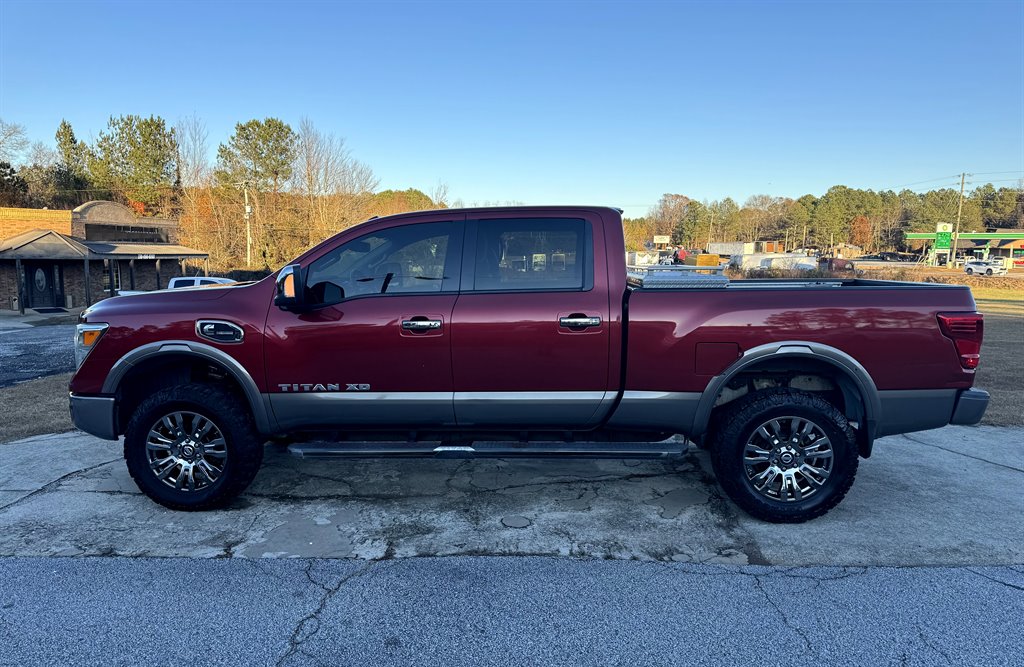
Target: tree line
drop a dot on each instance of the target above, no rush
(302, 185)
(872, 220)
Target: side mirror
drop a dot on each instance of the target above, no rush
(291, 290)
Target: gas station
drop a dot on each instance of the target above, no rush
(1007, 246)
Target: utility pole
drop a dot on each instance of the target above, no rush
(711, 227)
(248, 224)
(959, 210)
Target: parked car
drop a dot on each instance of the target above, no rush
(196, 281)
(446, 332)
(985, 267)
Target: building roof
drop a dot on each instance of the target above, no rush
(42, 244)
(48, 244)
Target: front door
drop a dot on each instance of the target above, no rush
(530, 341)
(42, 279)
(376, 350)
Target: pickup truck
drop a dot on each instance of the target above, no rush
(520, 332)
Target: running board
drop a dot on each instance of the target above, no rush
(488, 450)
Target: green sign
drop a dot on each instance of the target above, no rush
(942, 240)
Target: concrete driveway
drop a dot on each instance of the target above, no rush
(946, 497)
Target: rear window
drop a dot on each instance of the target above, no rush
(183, 282)
(531, 254)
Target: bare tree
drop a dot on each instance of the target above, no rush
(668, 213)
(193, 152)
(439, 194)
(39, 154)
(13, 141)
(335, 186)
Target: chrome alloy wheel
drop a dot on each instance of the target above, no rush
(787, 458)
(186, 451)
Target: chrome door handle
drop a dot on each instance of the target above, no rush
(579, 321)
(421, 325)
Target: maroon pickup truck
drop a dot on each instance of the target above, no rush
(519, 331)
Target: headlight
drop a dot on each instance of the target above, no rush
(86, 337)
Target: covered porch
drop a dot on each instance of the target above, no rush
(46, 269)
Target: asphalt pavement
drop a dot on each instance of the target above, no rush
(34, 352)
(502, 611)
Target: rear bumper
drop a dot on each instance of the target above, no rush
(906, 411)
(970, 407)
(94, 415)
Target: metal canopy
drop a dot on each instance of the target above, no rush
(972, 236)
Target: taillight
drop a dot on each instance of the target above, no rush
(965, 330)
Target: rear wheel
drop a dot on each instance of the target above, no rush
(192, 447)
(970, 272)
(989, 272)
(784, 456)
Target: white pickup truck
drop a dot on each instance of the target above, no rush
(179, 282)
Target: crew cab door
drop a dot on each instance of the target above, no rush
(374, 349)
(530, 331)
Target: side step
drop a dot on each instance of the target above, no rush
(613, 450)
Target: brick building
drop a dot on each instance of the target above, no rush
(69, 259)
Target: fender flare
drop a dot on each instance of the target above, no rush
(260, 412)
(843, 362)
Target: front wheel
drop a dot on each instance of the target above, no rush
(783, 455)
(192, 447)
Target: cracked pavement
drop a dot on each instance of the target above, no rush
(934, 498)
(502, 611)
(589, 561)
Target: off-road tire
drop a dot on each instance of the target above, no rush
(230, 414)
(736, 424)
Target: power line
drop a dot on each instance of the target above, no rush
(930, 180)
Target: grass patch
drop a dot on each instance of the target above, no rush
(999, 373)
(35, 407)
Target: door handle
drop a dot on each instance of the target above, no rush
(421, 325)
(579, 321)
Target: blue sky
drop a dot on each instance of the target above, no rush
(542, 102)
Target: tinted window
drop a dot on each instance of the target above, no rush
(531, 254)
(182, 282)
(398, 260)
(207, 282)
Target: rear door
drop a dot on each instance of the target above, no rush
(530, 331)
(377, 350)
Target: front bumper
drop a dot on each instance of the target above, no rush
(970, 407)
(94, 415)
